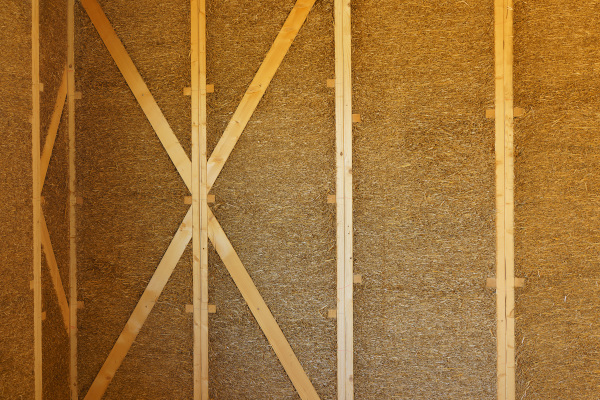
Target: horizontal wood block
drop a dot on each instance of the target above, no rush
(187, 91)
(332, 314)
(357, 278)
(491, 282)
(331, 83)
(78, 95)
(331, 199)
(43, 315)
(490, 113)
(41, 87)
(209, 199)
(518, 112)
(212, 308)
(80, 304)
(355, 117)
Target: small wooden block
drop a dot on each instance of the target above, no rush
(331, 199)
(42, 200)
(189, 308)
(80, 304)
(332, 314)
(187, 200)
(491, 282)
(490, 113)
(212, 308)
(31, 285)
(43, 315)
(209, 199)
(78, 96)
(187, 91)
(518, 112)
(41, 87)
(210, 88)
(355, 117)
(357, 278)
(330, 82)
(79, 200)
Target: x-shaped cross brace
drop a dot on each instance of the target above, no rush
(214, 166)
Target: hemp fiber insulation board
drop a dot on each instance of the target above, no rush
(133, 199)
(424, 205)
(53, 57)
(16, 258)
(557, 196)
(271, 199)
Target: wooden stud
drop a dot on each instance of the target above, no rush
(61, 296)
(505, 282)
(140, 90)
(53, 128)
(199, 205)
(260, 310)
(37, 206)
(345, 276)
(355, 117)
(257, 88)
(143, 308)
(330, 83)
(331, 199)
(332, 314)
(73, 201)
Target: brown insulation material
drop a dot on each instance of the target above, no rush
(271, 199)
(133, 199)
(16, 258)
(424, 199)
(557, 197)
(53, 56)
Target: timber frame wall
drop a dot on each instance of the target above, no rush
(200, 225)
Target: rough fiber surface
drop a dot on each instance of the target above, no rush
(271, 199)
(16, 259)
(53, 56)
(557, 189)
(133, 199)
(424, 200)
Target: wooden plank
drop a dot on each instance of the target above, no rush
(143, 308)
(140, 90)
(73, 201)
(509, 246)
(53, 128)
(36, 201)
(257, 88)
(199, 201)
(63, 304)
(260, 310)
(345, 276)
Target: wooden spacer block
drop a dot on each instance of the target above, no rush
(187, 200)
(355, 117)
(41, 87)
(31, 285)
(491, 282)
(331, 199)
(212, 308)
(210, 88)
(189, 308)
(330, 82)
(209, 199)
(79, 200)
(332, 314)
(357, 278)
(187, 91)
(42, 200)
(78, 96)
(43, 315)
(490, 113)
(80, 304)
(518, 112)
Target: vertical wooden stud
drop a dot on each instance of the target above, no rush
(345, 277)
(72, 201)
(199, 200)
(37, 206)
(504, 199)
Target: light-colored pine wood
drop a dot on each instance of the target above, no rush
(260, 310)
(257, 88)
(505, 280)
(61, 296)
(53, 128)
(143, 308)
(36, 201)
(140, 90)
(73, 201)
(199, 200)
(345, 276)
